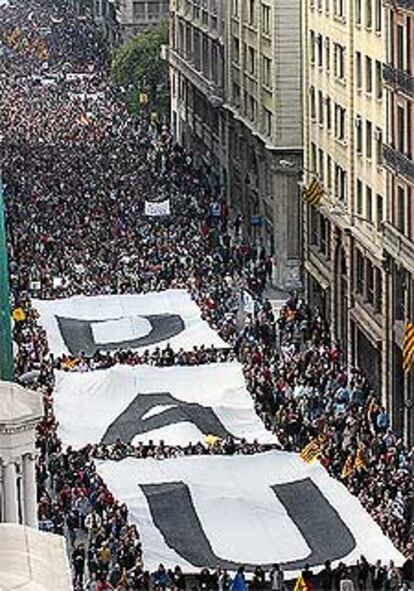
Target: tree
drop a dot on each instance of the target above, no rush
(137, 66)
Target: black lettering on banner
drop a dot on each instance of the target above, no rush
(131, 422)
(326, 534)
(78, 336)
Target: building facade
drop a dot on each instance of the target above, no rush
(399, 226)
(119, 20)
(138, 15)
(196, 56)
(344, 49)
(236, 101)
(20, 412)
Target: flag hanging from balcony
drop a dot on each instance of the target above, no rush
(314, 193)
(408, 346)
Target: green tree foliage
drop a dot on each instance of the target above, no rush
(137, 66)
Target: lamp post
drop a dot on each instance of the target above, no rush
(6, 346)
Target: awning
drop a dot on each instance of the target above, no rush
(31, 560)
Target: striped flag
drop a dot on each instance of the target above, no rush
(360, 463)
(314, 193)
(300, 584)
(313, 450)
(349, 467)
(408, 346)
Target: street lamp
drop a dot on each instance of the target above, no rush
(6, 346)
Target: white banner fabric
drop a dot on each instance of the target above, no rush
(260, 509)
(157, 208)
(138, 322)
(176, 404)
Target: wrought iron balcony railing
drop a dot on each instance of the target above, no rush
(399, 163)
(400, 4)
(398, 79)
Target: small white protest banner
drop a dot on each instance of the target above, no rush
(157, 208)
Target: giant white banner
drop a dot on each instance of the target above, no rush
(176, 404)
(112, 322)
(251, 510)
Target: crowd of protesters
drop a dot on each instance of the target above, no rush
(76, 170)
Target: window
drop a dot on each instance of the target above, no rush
(400, 48)
(339, 8)
(358, 134)
(320, 107)
(266, 19)
(401, 209)
(236, 8)
(312, 101)
(378, 146)
(236, 94)
(339, 122)
(320, 164)
(235, 46)
(369, 282)
(359, 196)
(252, 12)
(368, 75)
(379, 91)
(378, 16)
(327, 54)
(328, 114)
(267, 121)
(267, 71)
(339, 61)
(312, 47)
(313, 157)
(251, 60)
(378, 290)
(380, 211)
(368, 204)
(153, 10)
(358, 12)
(368, 139)
(328, 172)
(252, 109)
(340, 183)
(359, 272)
(368, 14)
(400, 128)
(358, 70)
(320, 51)
(138, 11)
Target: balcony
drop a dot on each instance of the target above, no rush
(398, 246)
(211, 91)
(399, 163)
(398, 79)
(400, 4)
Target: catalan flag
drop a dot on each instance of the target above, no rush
(313, 450)
(360, 463)
(408, 346)
(314, 193)
(301, 584)
(349, 467)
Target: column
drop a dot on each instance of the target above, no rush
(11, 514)
(29, 490)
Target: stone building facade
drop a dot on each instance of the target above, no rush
(344, 49)
(236, 101)
(399, 226)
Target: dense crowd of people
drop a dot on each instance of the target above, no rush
(76, 170)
